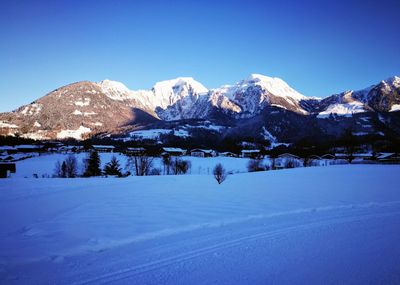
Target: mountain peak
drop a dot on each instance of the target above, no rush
(114, 89)
(274, 85)
(113, 85)
(168, 86)
(393, 79)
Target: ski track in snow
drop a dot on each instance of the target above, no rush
(132, 272)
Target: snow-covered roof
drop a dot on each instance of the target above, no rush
(104, 146)
(6, 147)
(314, 156)
(250, 150)
(384, 155)
(173, 149)
(363, 155)
(288, 155)
(202, 150)
(136, 149)
(328, 155)
(28, 146)
(341, 155)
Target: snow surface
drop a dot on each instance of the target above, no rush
(343, 109)
(7, 125)
(155, 133)
(276, 227)
(85, 102)
(45, 163)
(114, 89)
(395, 107)
(76, 134)
(275, 86)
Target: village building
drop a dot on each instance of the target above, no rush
(203, 152)
(228, 154)
(388, 157)
(135, 151)
(6, 149)
(29, 148)
(251, 153)
(327, 156)
(103, 148)
(173, 151)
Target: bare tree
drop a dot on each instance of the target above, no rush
(58, 169)
(167, 163)
(219, 173)
(180, 166)
(71, 166)
(66, 169)
(140, 164)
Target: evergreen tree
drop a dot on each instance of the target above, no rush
(113, 168)
(93, 165)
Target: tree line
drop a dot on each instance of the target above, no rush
(138, 165)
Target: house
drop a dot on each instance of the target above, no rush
(29, 148)
(6, 149)
(135, 151)
(288, 156)
(359, 157)
(228, 154)
(388, 157)
(6, 169)
(327, 156)
(103, 148)
(341, 156)
(250, 153)
(287, 160)
(314, 157)
(203, 152)
(173, 151)
(70, 148)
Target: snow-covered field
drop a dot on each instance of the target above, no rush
(44, 165)
(320, 225)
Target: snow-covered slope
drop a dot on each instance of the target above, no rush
(170, 99)
(382, 97)
(275, 227)
(248, 97)
(186, 98)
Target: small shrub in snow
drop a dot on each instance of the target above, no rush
(180, 166)
(155, 171)
(255, 165)
(292, 163)
(219, 173)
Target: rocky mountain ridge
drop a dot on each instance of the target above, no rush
(84, 109)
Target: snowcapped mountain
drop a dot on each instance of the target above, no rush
(382, 97)
(86, 108)
(250, 96)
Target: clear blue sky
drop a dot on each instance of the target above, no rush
(318, 47)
